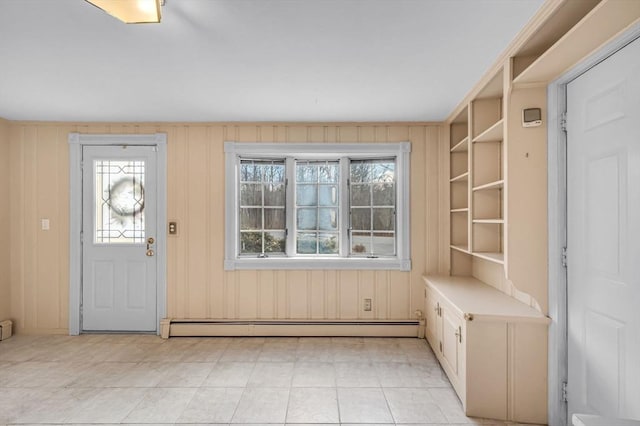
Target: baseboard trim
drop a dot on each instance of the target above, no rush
(333, 328)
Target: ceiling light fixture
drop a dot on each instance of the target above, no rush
(132, 11)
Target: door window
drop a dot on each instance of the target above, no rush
(119, 202)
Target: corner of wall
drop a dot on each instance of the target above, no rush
(5, 295)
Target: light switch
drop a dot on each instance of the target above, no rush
(45, 224)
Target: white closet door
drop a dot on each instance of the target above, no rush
(603, 171)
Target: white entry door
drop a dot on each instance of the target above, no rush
(119, 224)
(603, 226)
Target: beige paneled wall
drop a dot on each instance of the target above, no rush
(5, 294)
(198, 286)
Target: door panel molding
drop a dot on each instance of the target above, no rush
(557, 212)
(76, 142)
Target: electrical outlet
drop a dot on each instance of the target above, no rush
(367, 304)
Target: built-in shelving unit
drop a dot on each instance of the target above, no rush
(459, 144)
(477, 179)
(498, 213)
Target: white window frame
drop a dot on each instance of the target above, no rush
(400, 150)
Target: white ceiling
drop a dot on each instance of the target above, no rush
(251, 60)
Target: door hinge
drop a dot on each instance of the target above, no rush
(563, 121)
(563, 391)
(440, 346)
(564, 257)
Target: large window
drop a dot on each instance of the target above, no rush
(317, 206)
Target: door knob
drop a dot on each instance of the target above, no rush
(150, 252)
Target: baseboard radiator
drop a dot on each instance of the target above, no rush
(310, 328)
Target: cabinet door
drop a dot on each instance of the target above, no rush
(451, 340)
(431, 314)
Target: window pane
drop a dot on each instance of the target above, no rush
(250, 194)
(274, 242)
(306, 243)
(328, 219)
(328, 173)
(382, 171)
(384, 243)
(274, 219)
(383, 219)
(361, 243)
(250, 242)
(328, 244)
(360, 195)
(250, 171)
(119, 198)
(361, 219)
(306, 172)
(306, 195)
(250, 219)
(262, 184)
(273, 173)
(307, 219)
(274, 194)
(384, 194)
(360, 171)
(328, 195)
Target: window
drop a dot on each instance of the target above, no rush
(317, 206)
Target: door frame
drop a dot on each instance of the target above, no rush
(76, 142)
(557, 216)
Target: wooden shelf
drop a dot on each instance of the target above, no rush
(461, 210)
(491, 185)
(608, 17)
(491, 257)
(462, 249)
(495, 133)
(498, 221)
(460, 178)
(462, 146)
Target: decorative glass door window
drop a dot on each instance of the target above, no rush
(119, 197)
(262, 207)
(317, 204)
(372, 190)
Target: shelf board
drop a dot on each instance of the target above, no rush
(607, 18)
(461, 146)
(488, 220)
(462, 210)
(492, 257)
(495, 133)
(460, 178)
(491, 185)
(462, 249)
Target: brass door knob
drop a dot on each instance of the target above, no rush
(150, 252)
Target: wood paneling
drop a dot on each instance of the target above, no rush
(5, 295)
(197, 285)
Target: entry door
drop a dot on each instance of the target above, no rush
(603, 225)
(119, 231)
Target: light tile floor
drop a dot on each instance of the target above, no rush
(136, 379)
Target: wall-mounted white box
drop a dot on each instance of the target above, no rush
(5, 329)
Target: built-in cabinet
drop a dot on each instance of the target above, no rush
(492, 347)
(487, 320)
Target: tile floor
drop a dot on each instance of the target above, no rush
(135, 379)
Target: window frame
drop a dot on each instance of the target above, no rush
(234, 151)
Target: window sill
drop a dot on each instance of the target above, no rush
(331, 263)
